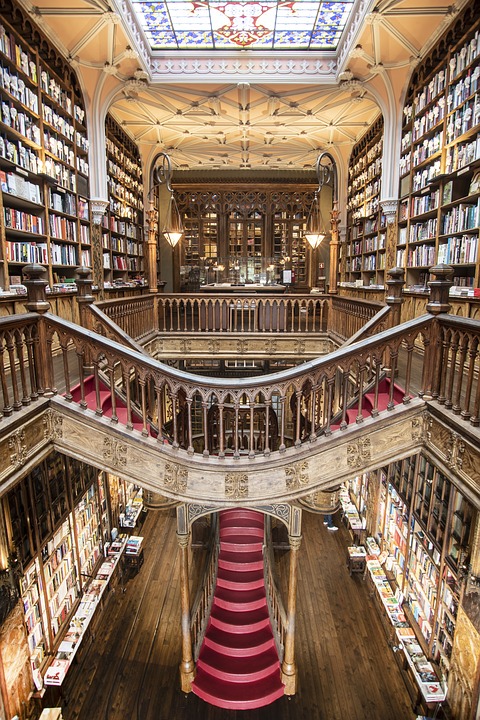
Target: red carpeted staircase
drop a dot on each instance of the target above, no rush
(105, 404)
(369, 407)
(238, 667)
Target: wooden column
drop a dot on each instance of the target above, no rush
(187, 666)
(152, 230)
(289, 669)
(333, 269)
(439, 303)
(394, 300)
(35, 280)
(98, 208)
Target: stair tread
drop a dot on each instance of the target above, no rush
(233, 579)
(238, 696)
(240, 557)
(240, 642)
(234, 668)
(240, 620)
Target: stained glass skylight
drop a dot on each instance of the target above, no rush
(243, 24)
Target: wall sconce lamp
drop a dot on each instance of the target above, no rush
(161, 174)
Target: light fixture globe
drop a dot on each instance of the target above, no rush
(173, 228)
(315, 233)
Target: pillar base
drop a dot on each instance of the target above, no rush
(289, 679)
(187, 676)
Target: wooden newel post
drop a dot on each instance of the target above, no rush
(289, 669)
(35, 280)
(439, 289)
(187, 666)
(395, 284)
(438, 303)
(84, 283)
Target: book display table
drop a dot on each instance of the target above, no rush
(79, 624)
(133, 556)
(424, 684)
(356, 559)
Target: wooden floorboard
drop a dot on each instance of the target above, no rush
(346, 669)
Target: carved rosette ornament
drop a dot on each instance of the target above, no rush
(115, 452)
(297, 475)
(271, 347)
(16, 444)
(213, 347)
(359, 453)
(175, 477)
(236, 485)
(242, 347)
(52, 425)
(299, 347)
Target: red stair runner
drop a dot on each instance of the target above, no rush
(368, 403)
(238, 666)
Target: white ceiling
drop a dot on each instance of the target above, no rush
(247, 109)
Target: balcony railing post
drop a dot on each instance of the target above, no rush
(394, 299)
(187, 665)
(36, 283)
(289, 670)
(434, 354)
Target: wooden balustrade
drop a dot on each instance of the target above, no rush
(202, 604)
(278, 613)
(141, 316)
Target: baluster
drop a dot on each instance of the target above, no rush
(330, 386)
(377, 368)
(313, 402)
(7, 408)
(408, 373)
(189, 426)
(111, 373)
(472, 354)
(17, 403)
(206, 451)
(461, 369)
(175, 420)
(236, 453)
(475, 419)
(251, 449)
(266, 449)
(21, 361)
(81, 378)
(445, 352)
(453, 363)
(143, 391)
(359, 418)
(31, 367)
(282, 424)
(221, 450)
(344, 399)
(66, 369)
(393, 368)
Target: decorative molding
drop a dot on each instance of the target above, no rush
(299, 347)
(389, 209)
(115, 452)
(236, 485)
(242, 347)
(213, 346)
(271, 347)
(297, 475)
(359, 453)
(241, 69)
(16, 443)
(175, 477)
(97, 208)
(185, 346)
(52, 425)
(195, 511)
(455, 448)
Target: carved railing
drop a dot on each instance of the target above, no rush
(308, 400)
(278, 614)
(139, 317)
(203, 602)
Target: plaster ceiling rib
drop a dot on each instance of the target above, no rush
(388, 27)
(88, 37)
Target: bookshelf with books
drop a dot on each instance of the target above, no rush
(43, 162)
(122, 236)
(366, 234)
(439, 214)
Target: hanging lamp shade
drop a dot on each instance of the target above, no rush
(315, 231)
(172, 228)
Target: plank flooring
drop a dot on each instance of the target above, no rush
(346, 669)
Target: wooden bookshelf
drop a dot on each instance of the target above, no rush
(43, 164)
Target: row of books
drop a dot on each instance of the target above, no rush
(20, 220)
(460, 250)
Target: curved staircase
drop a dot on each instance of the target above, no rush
(238, 667)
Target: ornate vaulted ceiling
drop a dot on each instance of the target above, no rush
(246, 108)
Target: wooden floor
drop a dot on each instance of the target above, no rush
(346, 669)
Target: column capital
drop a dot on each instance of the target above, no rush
(389, 209)
(97, 208)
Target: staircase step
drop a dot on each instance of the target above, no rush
(239, 622)
(239, 544)
(246, 523)
(229, 531)
(240, 560)
(237, 696)
(233, 668)
(248, 579)
(239, 644)
(240, 514)
(240, 599)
